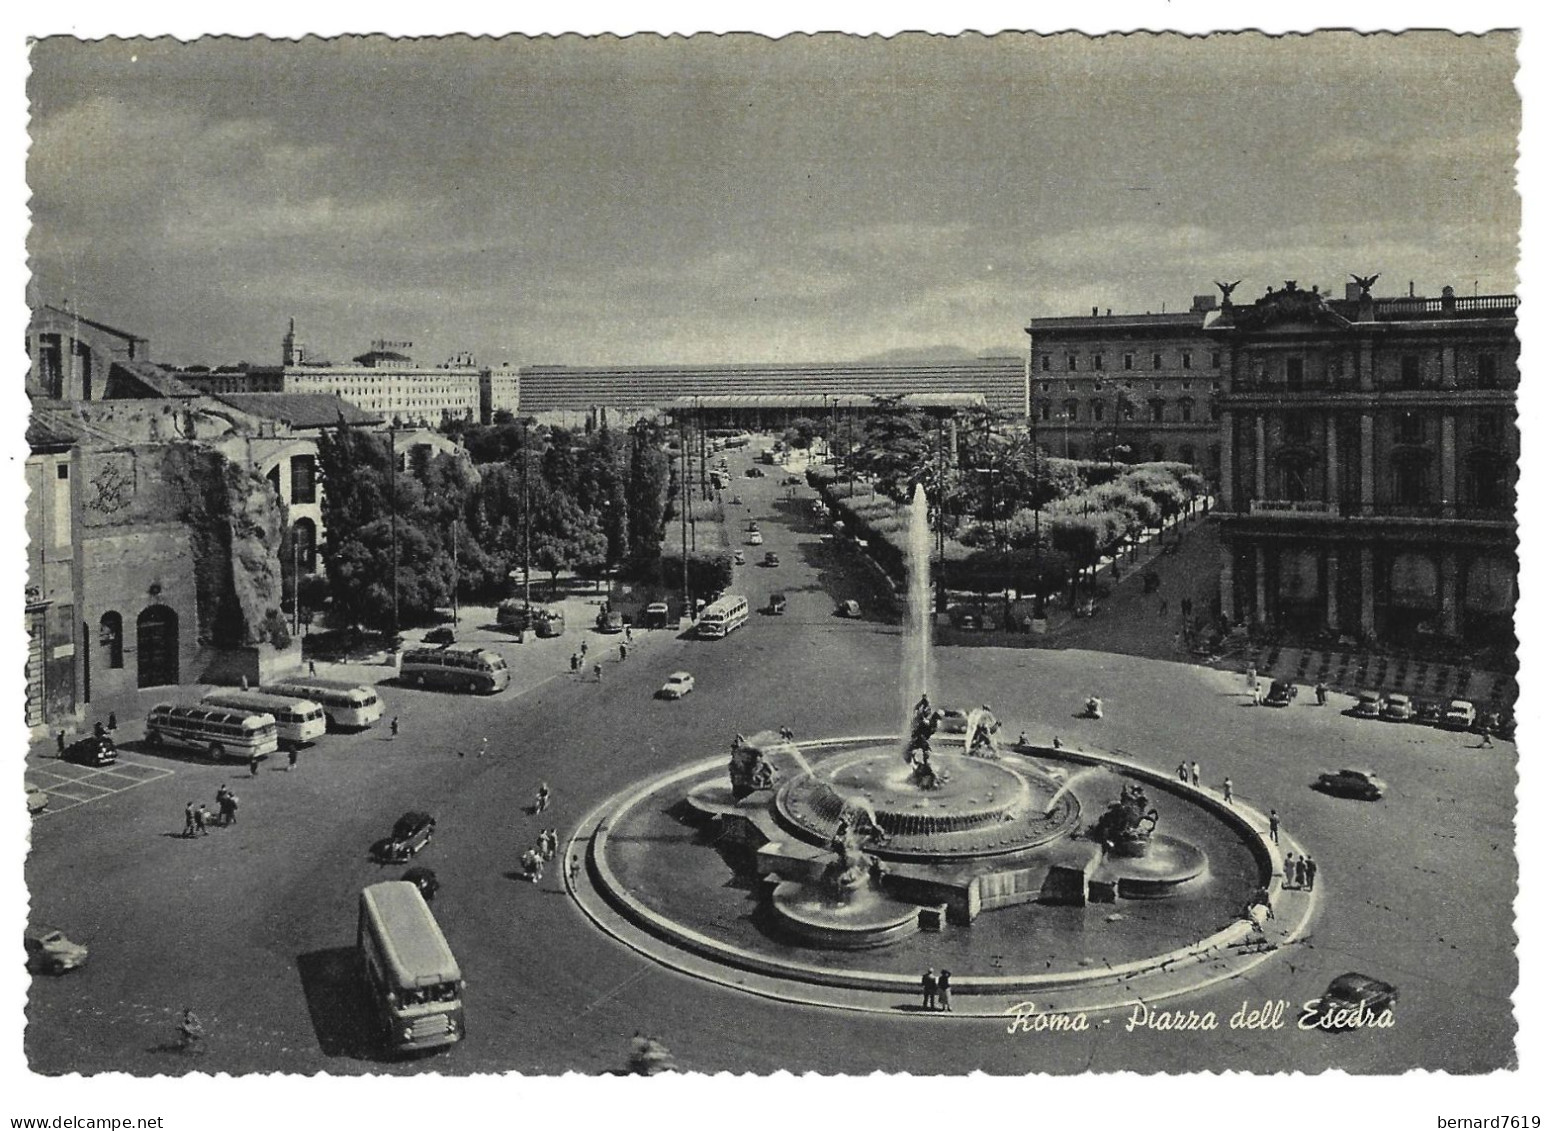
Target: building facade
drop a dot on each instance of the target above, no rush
(1369, 453)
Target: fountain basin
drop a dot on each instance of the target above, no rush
(858, 920)
(1168, 863)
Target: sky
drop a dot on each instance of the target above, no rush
(608, 201)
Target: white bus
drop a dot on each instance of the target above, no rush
(414, 982)
(221, 732)
(461, 669)
(297, 721)
(347, 706)
(722, 616)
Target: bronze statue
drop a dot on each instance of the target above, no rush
(1227, 290)
(1366, 282)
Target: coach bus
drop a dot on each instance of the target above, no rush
(722, 616)
(414, 982)
(460, 669)
(221, 732)
(297, 721)
(346, 705)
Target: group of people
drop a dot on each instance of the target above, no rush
(1300, 871)
(543, 850)
(936, 991)
(1189, 772)
(197, 819)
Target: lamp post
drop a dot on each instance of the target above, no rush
(393, 495)
(527, 523)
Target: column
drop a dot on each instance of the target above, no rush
(1447, 583)
(1227, 489)
(1226, 587)
(1449, 467)
(1365, 378)
(1332, 589)
(1331, 457)
(1367, 459)
(1450, 367)
(1259, 455)
(1369, 621)
(1259, 584)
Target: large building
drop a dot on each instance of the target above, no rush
(1369, 450)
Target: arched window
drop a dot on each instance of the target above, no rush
(305, 536)
(1097, 407)
(111, 637)
(1186, 410)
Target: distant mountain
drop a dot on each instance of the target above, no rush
(940, 353)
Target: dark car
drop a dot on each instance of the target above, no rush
(967, 619)
(425, 880)
(754, 473)
(93, 750)
(791, 481)
(610, 622)
(50, 952)
(442, 634)
(411, 833)
(771, 558)
(1282, 692)
(656, 615)
(851, 609)
(777, 604)
(1363, 785)
(1354, 1001)
(1428, 712)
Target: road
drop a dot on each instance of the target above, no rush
(252, 926)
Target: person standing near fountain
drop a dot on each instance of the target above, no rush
(1227, 790)
(1194, 774)
(944, 991)
(928, 990)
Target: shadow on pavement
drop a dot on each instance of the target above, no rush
(340, 1011)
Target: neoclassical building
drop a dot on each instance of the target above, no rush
(1369, 452)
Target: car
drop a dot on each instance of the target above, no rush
(737, 557)
(610, 622)
(1361, 785)
(424, 879)
(1428, 712)
(1398, 708)
(1282, 692)
(966, 619)
(442, 634)
(1354, 1001)
(953, 721)
(777, 604)
(50, 952)
(656, 615)
(771, 558)
(1369, 705)
(851, 609)
(411, 833)
(756, 539)
(677, 686)
(93, 750)
(37, 800)
(1459, 716)
(791, 481)
(752, 527)
(754, 473)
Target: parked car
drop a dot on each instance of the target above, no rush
(851, 609)
(1362, 785)
(50, 952)
(610, 622)
(37, 800)
(966, 619)
(771, 558)
(752, 526)
(1369, 705)
(656, 615)
(411, 833)
(1398, 708)
(953, 721)
(424, 879)
(777, 604)
(791, 481)
(93, 750)
(1428, 712)
(677, 686)
(1460, 715)
(442, 634)
(1354, 1000)
(756, 539)
(1282, 692)
(754, 473)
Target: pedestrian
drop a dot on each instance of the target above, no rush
(253, 765)
(1300, 872)
(201, 821)
(541, 845)
(1275, 828)
(1183, 772)
(1057, 743)
(541, 799)
(1290, 872)
(1194, 774)
(1321, 692)
(188, 819)
(597, 671)
(1227, 790)
(1251, 680)
(944, 991)
(928, 990)
(573, 868)
(583, 649)
(112, 720)
(629, 636)
(1309, 870)
(244, 679)
(624, 651)
(1485, 737)
(231, 808)
(290, 759)
(61, 741)
(393, 727)
(484, 746)
(1256, 691)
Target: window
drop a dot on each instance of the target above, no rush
(1186, 359)
(1216, 359)
(62, 471)
(1186, 410)
(1097, 362)
(1097, 411)
(1187, 453)
(111, 636)
(1071, 362)
(1157, 411)
(1296, 477)
(1485, 365)
(1294, 374)
(303, 480)
(1071, 407)
(1044, 410)
(1410, 372)
(1129, 361)
(1298, 428)
(1157, 361)
(1412, 428)
(1044, 362)
(1410, 486)
(1127, 409)
(1044, 386)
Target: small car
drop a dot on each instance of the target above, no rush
(771, 558)
(777, 604)
(1459, 716)
(677, 686)
(754, 473)
(1282, 692)
(752, 527)
(37, 800)
(50, 952)
(411, 833)
(424, 879)
(851, 609)
(1361, 785)
(756, 539)
(1428, 712)
(656, 615)
(93, 750)
(1398, 708)
(1354, 1001)
(791, 481)
(610, 622)
(967, 619)
(1369, 705)
(442, 634)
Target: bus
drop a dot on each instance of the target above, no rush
(346, 705)
(221, 732)
(298, 722)
(461, 669)
(414, 982)
(722, 616)
(543, 620)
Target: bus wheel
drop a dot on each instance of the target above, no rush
(217, 751)
(153, 738)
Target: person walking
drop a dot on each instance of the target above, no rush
(60, 739)
(573, 868)
(201, 821)
(541, 798)
(575, 663)
(1290, 870)
(624, 651)
(253, 765)
(928, 989)
(188, 819)
(1300, 872)
(1309, 870)
(629, 637)
(1275, 827)
(1194, 774)
(1321, 692)
(944, 991)
(1183, 772)
(597, 672)
(1256, 691)
(393, 728)
(231, 809)
(290, 759)
(244, 679)
(1485, 736)
(112, 720)
(1227, 790)
(583, 649)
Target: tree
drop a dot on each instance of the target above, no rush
(645, 496)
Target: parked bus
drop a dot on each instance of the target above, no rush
(298, 722)
(346, 705)
(461, 669)
(415, 985)
(543, 620)
(722, 616)
(221, 732)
